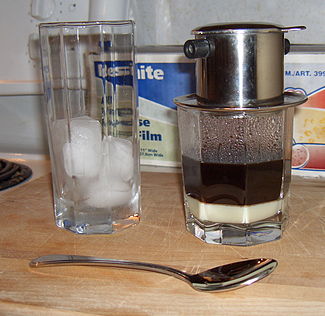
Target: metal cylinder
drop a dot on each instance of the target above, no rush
(242, 64)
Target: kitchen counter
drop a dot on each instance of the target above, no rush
(28, 231)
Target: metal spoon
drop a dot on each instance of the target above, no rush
(227, 277)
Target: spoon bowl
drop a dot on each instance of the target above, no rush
(222, 278)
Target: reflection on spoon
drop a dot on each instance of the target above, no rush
(226, 277)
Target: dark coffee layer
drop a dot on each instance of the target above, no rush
(234, 184)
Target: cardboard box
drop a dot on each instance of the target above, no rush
(305, 72)
(163, 74)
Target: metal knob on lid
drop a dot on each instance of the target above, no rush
(200, 48)
(239, 65)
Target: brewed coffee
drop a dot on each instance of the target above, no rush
(232, 184)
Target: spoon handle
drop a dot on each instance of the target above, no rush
(51, 260)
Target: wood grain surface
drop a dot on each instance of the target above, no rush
(27, 230)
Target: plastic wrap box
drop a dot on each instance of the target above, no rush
(305, 72)
(163, 74)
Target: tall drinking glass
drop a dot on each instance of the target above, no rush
(90, 95)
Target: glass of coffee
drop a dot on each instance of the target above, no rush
(236, 173)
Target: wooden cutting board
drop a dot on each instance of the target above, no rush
(28, 231)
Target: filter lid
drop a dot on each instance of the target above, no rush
(290, 99)
(243, 27)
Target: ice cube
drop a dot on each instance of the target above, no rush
(120, 157)
(100, 195)
(82, 156)
(113, 186)
(80, 160)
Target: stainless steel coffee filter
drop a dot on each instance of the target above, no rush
(239, 65)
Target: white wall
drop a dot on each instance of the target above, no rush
(22, 126)
(171, 21)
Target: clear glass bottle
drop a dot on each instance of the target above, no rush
(91, 102)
